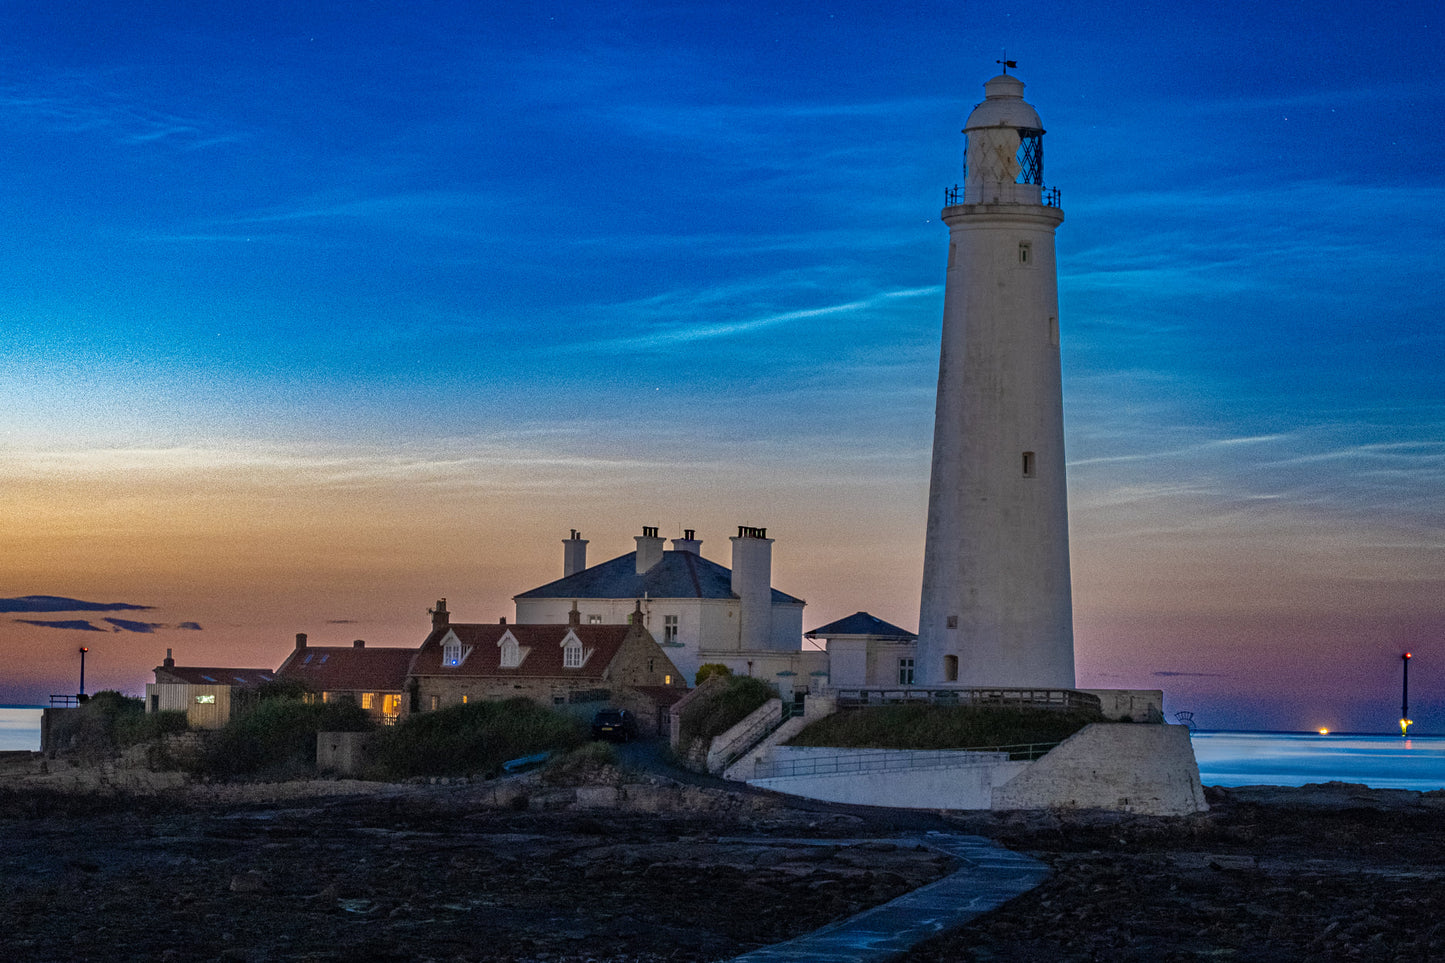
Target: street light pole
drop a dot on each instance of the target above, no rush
(1405, 694)
(83, 650)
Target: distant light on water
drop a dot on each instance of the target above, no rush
(1297, 758)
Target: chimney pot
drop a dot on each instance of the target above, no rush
(169, 662)
(504, 620)
(359, 644)
(300, 640)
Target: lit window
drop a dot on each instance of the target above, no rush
(1029, 464)
(325, 697)
(669, 629)
(572, 655)
(205, 700)
(391, 705)
(368, 699)
(436, 702)
(905, 671)
(452, 651)
(511, 653)
(667, 680)
(466, 699)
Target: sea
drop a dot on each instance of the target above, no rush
(1297, 758)
(1225, 758)
(19, 728)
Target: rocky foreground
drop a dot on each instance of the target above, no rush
(643, 870)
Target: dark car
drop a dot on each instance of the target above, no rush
(616, 725)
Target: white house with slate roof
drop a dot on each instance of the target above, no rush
(697, 610)
(865, 651)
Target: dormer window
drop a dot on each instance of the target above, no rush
(511, 653)
(452, 651)
(572, 654)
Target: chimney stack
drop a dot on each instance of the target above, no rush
(574, 617)
(574, 554)
(440, 617)
(359, 644)
(300, 640)
(687, 543)
(752, 583)
(649, 549)
(169, 662)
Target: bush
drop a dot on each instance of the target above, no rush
(715, 712)
(709, 669)
(110, 720)
(278, 737)
(942, 727)
(580, 765)
(473, 738)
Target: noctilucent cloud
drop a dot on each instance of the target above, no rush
(311, 314)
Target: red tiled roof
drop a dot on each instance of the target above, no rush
(541, 650)
(202, 675)
(345, 668)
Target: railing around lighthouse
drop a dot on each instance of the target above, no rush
(953, 196)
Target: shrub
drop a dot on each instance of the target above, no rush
(278, 737)
(713, 713)
(580, 765)
(110, 720)
(709, 669)
(473, 738)
(942, 727)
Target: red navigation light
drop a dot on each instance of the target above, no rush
(85, 649)
(1407, 655)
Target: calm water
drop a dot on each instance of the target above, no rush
(1296, 758)
(19, 728)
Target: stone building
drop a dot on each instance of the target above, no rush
(374, 678)
(572, 665)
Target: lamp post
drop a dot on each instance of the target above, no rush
(1405, 694)
(83, 650)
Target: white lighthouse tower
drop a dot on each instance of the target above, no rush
(997, 608)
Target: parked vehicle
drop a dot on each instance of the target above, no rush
(615, 725)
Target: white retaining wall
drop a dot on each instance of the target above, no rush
(890, 777)
(1130, 768)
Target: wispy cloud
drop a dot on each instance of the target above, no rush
(57, 603)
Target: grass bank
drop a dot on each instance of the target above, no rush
(942, 727)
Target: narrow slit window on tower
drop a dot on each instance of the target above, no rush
(950, 668)
(1028, 464)
(1054, 332)
(1026, 253)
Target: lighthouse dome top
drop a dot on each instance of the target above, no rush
(1004, 106)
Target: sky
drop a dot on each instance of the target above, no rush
(312, 314)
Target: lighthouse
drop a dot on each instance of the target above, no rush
(996, 604)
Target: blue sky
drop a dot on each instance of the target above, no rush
(350, 306)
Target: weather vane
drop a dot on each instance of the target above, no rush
(1007, 63)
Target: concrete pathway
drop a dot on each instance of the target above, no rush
(989, 876)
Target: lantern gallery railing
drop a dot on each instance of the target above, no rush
(1022, 698)
(1048, 196)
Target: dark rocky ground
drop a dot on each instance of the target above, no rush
(425, 876)
(1335, 873)
(1268, 875)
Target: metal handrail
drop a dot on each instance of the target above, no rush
(990, 696)
(897, 760)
